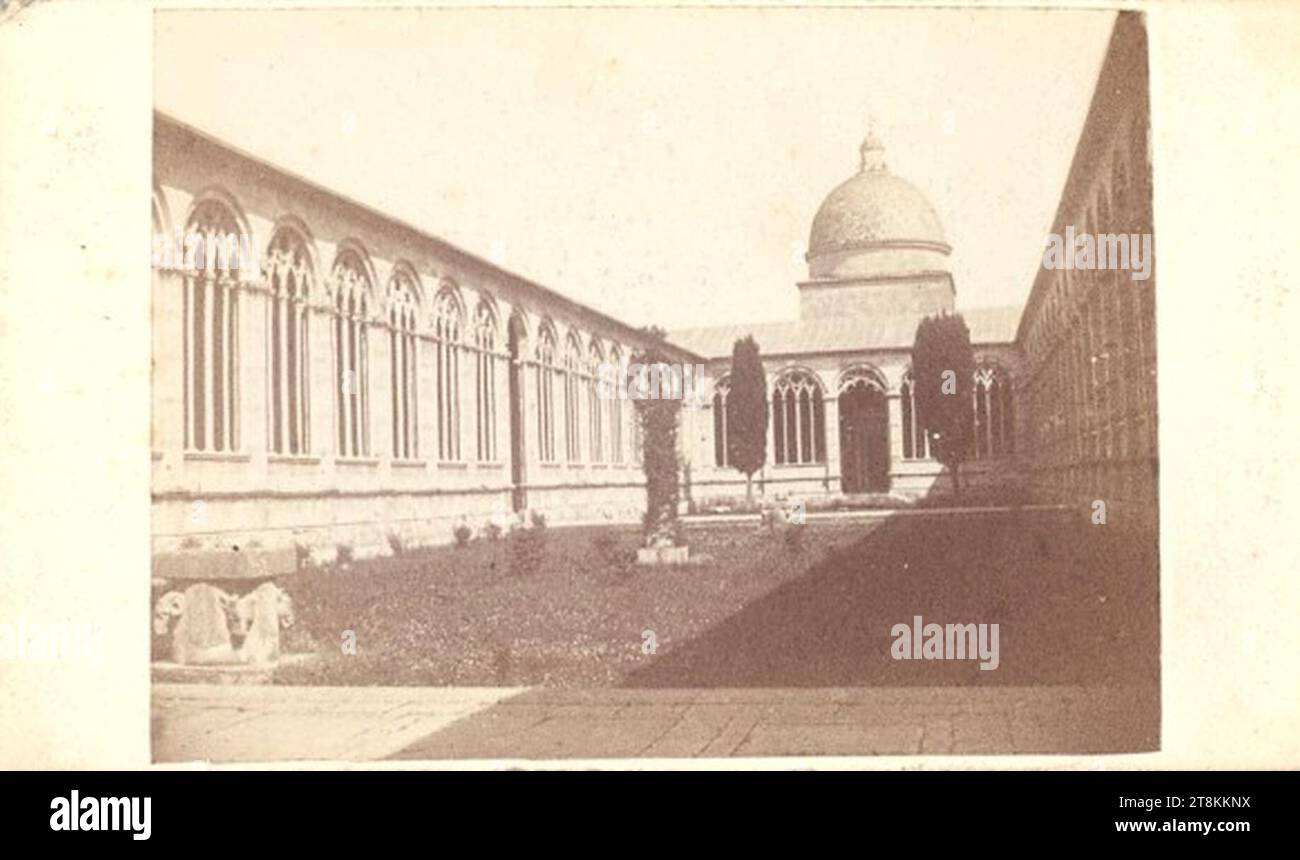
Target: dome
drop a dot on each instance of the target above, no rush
(872, 208)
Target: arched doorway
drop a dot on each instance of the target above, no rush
(864, 437)
(514, 339)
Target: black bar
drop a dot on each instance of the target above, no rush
(249, 811)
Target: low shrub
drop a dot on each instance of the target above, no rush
(463, 533)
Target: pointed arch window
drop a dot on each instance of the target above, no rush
(994, 422)
(572, 386)
(290, 280)
(798, 421)
(916, 439)
(403, 362)
(595, 418)
(210, 308)
(616, 409)
(351, 312)
(547, 370)
(447, 348)
(485, 383)
(720, 392)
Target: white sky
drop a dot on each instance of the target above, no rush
(661, 165)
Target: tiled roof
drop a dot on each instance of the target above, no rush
(992, 325)
(841, 334)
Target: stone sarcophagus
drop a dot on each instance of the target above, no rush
(221, 611)
(212, 627)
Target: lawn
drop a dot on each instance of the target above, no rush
(555, 606)
(1076, 603)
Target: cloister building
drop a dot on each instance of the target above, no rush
(363, 382)
(366, 383)
(1088, 393)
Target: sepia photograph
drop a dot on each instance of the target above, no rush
(629, 384)
(580, 387)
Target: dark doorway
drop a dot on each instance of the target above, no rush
(519, 496)
(864, 439)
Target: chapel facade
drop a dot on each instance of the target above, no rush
(842, 417)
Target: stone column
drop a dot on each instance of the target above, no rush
(249, 416)
(464, 407)
(230, 384)
(365, 336)
(528, 393)
(381, 390)
(204, 381)
(285, 303)
(894, 403)
(189, 288)
(426, 383)
(831, 413)
(499, 398)
(352, 385)
(324, 400)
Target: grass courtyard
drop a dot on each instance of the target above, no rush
(567, 607)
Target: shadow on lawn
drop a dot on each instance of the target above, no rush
(1076, 603)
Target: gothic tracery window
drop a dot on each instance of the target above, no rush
(545, 363)
(993, 424)
(595, 419)
(798, 422)
(403, 317)
(211, 330)
(447, 319)
(916, 440)
(720, 392)
(485, 388)
(289, 280)
(572, 385)
(616, 409)
(351, 313)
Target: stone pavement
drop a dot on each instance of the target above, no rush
(252, 723)
(235, 722)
